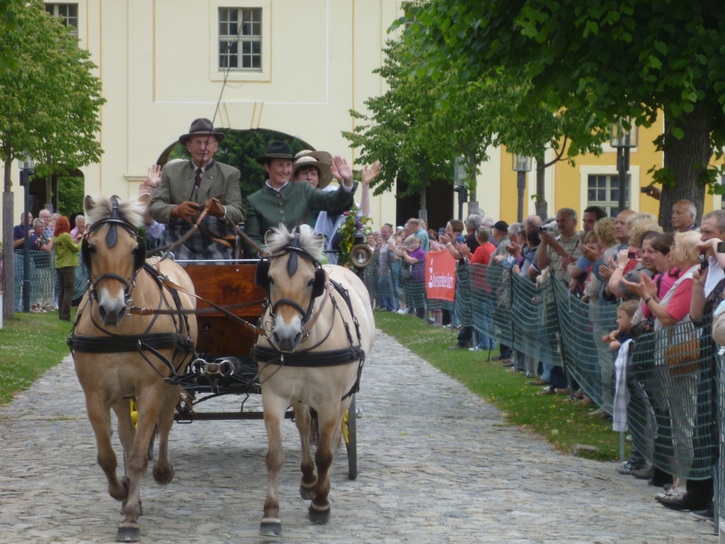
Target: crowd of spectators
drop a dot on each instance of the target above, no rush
(654, 279)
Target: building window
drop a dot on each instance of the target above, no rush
(68, 14)
(603, 191)
(240, 39)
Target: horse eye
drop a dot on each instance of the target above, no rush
(310, 283)
(271, 280)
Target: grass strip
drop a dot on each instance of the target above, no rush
(30, 344)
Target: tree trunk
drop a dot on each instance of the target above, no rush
(541, 204)
(8, 272)
(687, 161)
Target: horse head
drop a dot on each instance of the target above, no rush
(293, 278)
(113, 252)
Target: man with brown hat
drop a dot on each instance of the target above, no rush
(188, 187)
(281, 201)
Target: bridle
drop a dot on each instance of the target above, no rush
(294, 251)
(88, 249)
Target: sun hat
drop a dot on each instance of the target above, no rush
(318, 159)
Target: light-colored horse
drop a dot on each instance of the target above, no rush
(319, 326)
(121, 357)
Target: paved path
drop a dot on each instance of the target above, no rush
(437, 464)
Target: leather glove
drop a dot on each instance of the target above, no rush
(214, 207)
(186, 210)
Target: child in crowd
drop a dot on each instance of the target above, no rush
(625, 315)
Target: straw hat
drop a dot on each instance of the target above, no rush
(318, 159)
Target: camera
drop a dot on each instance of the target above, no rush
(721, 247)
(703, 261)
(549, 227)
(632, 255)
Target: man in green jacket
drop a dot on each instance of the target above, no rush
(281, 201)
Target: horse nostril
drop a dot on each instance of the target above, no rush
(298, 338)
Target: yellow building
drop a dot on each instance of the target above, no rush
(299, 68)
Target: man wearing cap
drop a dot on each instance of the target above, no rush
(188, 187)
(280, 201)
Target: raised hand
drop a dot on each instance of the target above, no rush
(370, 172)
(153, 176)
(341, 170)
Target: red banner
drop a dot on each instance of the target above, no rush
(440, 275)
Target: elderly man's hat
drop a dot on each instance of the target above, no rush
(201, 127)
(276, 150)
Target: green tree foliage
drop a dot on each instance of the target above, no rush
(391, 131)
(50, 107)
(629, 58)
(70, 195)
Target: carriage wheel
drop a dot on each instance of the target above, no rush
(349, 434)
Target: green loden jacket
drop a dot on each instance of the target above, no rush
(292, 205)
(177, 183)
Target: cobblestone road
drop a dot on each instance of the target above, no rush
(437, 464)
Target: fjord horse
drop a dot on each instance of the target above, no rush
(120, 357)
(319, 326)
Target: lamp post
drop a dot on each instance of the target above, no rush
(26, 166)
(459, 186)
(521, 165)
(623, 139)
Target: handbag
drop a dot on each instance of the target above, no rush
(683, 357)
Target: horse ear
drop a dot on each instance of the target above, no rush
(139, 254)
(86, 253)
(262, 274)
(88, 204)
(318, 288)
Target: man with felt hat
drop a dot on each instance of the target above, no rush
(281, 201)
(189, 187)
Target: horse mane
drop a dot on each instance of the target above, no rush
(101, 207)
(311, 242)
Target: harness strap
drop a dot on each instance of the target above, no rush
(123, 344)
(263, 354)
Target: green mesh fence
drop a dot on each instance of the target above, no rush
(670, 413)
(463, 303)
(41, 271)
(718, 436)
(490, 288)
(588, 360)
(670, 375)
(534, 321)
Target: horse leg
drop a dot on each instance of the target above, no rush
(100, 417)
(307, 466)
(329, 424)
(274, 409)
(163, 469)
(148, 414)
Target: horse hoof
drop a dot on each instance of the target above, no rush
(307, 493)
(317, 516)
(163, 476)
(128, 534)
(270, 527)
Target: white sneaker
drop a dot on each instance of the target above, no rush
(403, 311)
